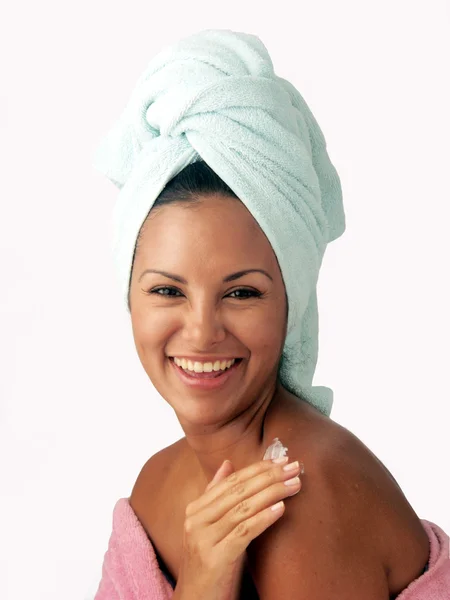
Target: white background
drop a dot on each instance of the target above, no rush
(79, 416)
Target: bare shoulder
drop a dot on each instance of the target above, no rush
(373, 508)
(386, 515)
(154, 477)
(322, 536)
(351, 487)
(160, 494)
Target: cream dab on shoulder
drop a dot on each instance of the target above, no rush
(275, 450)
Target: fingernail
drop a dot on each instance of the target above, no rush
(293, 481)
(291, 467)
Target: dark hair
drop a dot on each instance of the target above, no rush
(188, 186)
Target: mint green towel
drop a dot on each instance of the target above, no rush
(214, 96)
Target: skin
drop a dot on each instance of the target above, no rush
(203, 243)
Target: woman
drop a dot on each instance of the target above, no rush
(213, 316)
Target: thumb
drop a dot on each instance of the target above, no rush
(225, 469)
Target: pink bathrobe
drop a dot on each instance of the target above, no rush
(131, 571)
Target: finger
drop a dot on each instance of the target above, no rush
(225, 469)
(234, 479)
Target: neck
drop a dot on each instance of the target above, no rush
(240, 440)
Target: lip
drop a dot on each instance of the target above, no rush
(206, 384)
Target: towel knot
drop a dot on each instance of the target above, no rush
(206, 107)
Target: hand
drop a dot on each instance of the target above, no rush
(234, 509)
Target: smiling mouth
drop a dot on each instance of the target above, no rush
(206, 374)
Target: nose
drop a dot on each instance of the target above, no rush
(203, 326)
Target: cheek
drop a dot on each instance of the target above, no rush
(262, 335)
(153, 327)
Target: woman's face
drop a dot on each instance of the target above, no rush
(204, 243)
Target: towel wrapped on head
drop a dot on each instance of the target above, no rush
(214, 96)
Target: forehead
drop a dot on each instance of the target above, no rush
(216, 225)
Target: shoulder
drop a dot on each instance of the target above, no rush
(394, 527)
(321, 547)
(348, 470)
(154, 476)
(350, 517)
(353, 486)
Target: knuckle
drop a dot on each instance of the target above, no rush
(271, 475)
(189, 510)
(188, 526)
(237, 489)
(241, 530)
(242, 508)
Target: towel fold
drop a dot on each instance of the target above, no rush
(131, 571)
(130, 568)
(434, 584)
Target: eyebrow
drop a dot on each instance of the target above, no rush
(231, 277)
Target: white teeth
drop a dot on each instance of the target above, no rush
(199, 367)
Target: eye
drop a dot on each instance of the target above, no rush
(253, 293)
(165, 291)
(157, 290)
